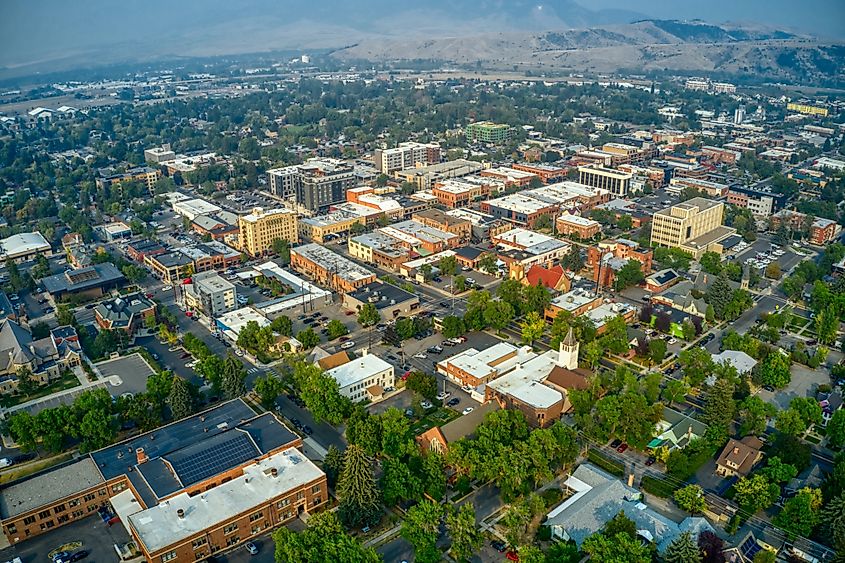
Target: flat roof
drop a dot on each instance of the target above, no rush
(487, 362)
(332, 262)
(49, 486)
(577, 220)
(358, 369)
(386, 294)
(525, 383)
(24, 243)
(83, 278)
(519, 203)
(161, 526)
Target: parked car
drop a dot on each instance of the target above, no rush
(499, 545)
(389, 389)
(420, 356)
(442, 395)
(426, 405)
(615, 444)
(512, 556)
(61, 556)
(347, 345)
(467, 410)
(307, 430)
(621, 449)
(453, 401)
(251, 548)
(79, 555)
(650, 461)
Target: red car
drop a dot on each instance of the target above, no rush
(149, 295)
(349, 313)
(405, 375)
(512, 556)
(622, 447)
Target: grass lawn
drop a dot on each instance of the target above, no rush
(437, 417)
(67, 381)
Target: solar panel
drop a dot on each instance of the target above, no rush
(750, 548)
(224, 453)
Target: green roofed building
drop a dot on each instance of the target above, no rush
(488, 132)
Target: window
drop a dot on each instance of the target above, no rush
(64, 518)
(28, 520)
(11, 529)
(317, 500)
(300, 495)
(257, 529)
(256, 516)
(77, 513)
(101, 492)
(232, 540)
(116, 488)
(74, 502)
(89, 496)
(43, 514)
(199, 542)
(230, 528)
(315, 488)
(169, 556)
(59, 508)
(281, 504)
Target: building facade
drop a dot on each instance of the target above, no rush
(210, 294)
(261, 228)
(694, 226)
(616, 182)
(406, 155)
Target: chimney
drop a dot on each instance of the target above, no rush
(736, 450)
(180, 513)
(142, 456)
(274, 472)
(631, 480)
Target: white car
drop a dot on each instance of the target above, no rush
(239, 353)
(467, 410)
(426, 405)
(347, 345)
(672, 341)
(442, 395)
(420, 356)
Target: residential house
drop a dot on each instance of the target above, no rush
(739, 457)
(438, 438)
(44, 359)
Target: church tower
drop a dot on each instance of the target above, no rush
(568, 353)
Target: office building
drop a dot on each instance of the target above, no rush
(694, 226)
(807, 109)
(616, 182)
(761, 202)
(144, 175)
(582, 227)
(157, 155)
(328, 268)
(338, 223)
(425, 177)
(261, 228)
(437, 219)
(363, 378)
(406, 155)
(90, 282)
(210, 294)
(23, 247)
(283, 182)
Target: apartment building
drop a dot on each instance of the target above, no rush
(694, 226)
(338, 223)
(510, 177)
(379, 249)
(421, 238)
(761, 202)
(261, 228)
(328, 268)
(715, 190)
(210, 294)
(520, 249)
(545, 172)
(616, 182)
(425, 177)
(437, 219)
(184, 491)
(144, 175)
(820, 230)
(520, 209)
(488, 132)
(406, 155)
(314, 185)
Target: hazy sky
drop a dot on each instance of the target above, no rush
(824, 17)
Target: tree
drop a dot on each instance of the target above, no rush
(498, 314)
(754, 414)
(488, 263)
(657, 350)
(424, 384)
(336, 329)
(453, 327)
(536, 298)
(765, 556)
(24, 430)
(773, 271)
(530, 553)
(755, 493)
(308, 338)
(790, 422)
(683, 549)
(832, 518)
(281, 248)
(620, 548)
(448, 265)
(357, 491)
(800, 514)
(826, 325)
(836, 429)
(629, 275)
(233, 378)
(396, 440)
(719, 296)
(808, 409)
(179, 399)
(421, 528)
(532, 327)
(332, 464)
(711, 263)
(268, 389)
(320, 392)
(675, 391)
(719, 405)
(466, 537)
(774, 370)
(282, 325)
(323, 540)
(398, 483)
(64, 315)
(711, 546)
(572, 260)
(460, 284)
(368, 315)
(426, 270)
(691, 499)
(778, 472)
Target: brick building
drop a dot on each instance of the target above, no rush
(605, 259)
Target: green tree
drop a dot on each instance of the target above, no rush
(629, 275)
(453, 327)
(536, 298)
(368, 315)
(498, 314)
(281, 248)
(421, 528)
(323, 540)
(754, 414)
(336, 329)
(232, 381)
(179, 399)
(691, 499)
(333, 464)
(696, 365)
(836, 429)
(533, 327)
(790, 422)
(683, 549)
(800, 514)
(778, 472)
(530, 553)
(832, 517)
(711, 263)
(423, 384)
(808, 409)
(656, 350)
(466, 537)
(24, 430)
(774, 370)
(357, 491)
(572, 260)
(719, 405)
(282, 325)
(448, 265)
(755, 493)
(765, 556)
(675, 391)
(827, 326)
(321, 393)
(620, 548)
(488, 263)
(308, 338)
(268, 389)
(398, 483)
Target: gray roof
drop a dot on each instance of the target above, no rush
(466, 425)
(98, 275)
(49, 486)
(600, 496)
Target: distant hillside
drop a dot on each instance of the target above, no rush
(645, 45)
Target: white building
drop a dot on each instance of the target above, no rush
(211, 294)
(363, 378)
(23, 246)
(192, 208)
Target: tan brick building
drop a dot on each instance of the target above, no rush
(261, 228)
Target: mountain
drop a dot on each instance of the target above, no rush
(641, 46)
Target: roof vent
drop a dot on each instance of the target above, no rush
(180, 513)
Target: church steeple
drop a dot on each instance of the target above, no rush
(568, 352)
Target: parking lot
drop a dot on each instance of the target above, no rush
(804, 383)
(96, 536)
(133, 370)
(761, 252)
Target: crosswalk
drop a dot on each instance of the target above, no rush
(253, 370)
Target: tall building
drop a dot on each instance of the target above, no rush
(262, 227)
(739, 115)
(406, 155)
(488, 132)
(210, 293)
(314, 185)
(694, 226)
(616, 182)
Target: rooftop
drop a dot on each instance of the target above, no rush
(259, 213)
(381, 294)
(48, 486)
(23, 243)
(332, 262)
(83, 278)
(358, 369)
